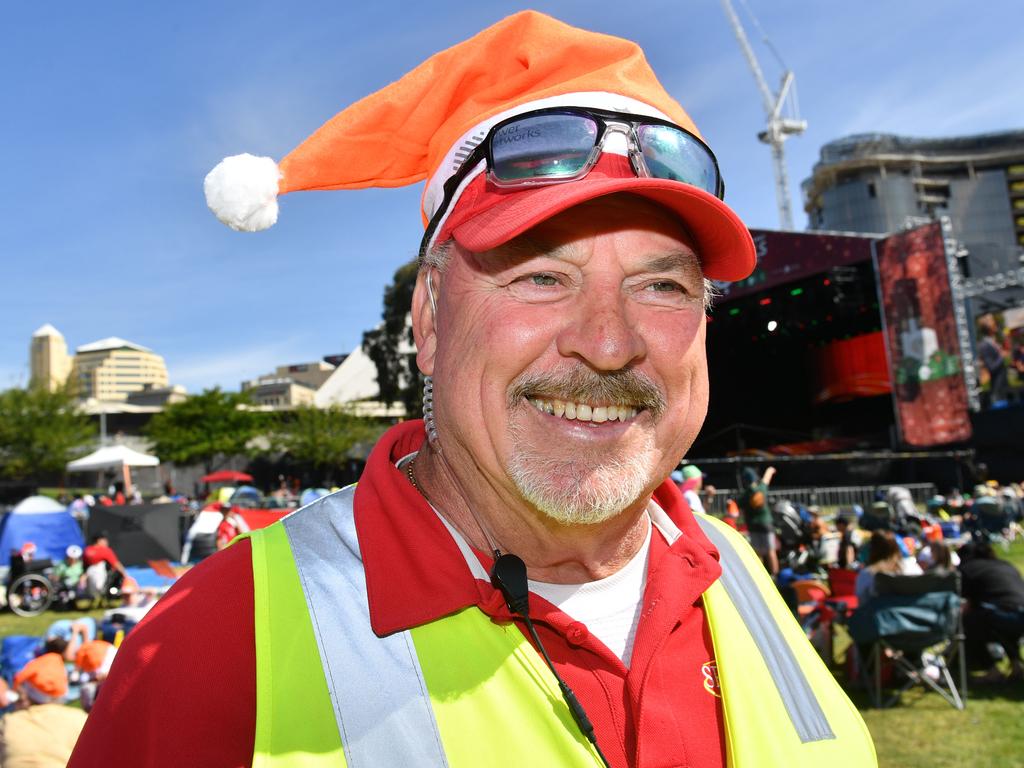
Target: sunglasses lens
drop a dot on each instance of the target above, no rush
(671, 154)
(543, 147)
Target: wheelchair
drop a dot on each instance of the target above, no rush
(30, 591)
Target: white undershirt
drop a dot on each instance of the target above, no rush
(609, 607)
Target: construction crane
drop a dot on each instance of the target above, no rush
(778, 128)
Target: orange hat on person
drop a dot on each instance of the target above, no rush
(421, 128)
(95, 655)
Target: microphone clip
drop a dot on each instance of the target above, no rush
(508, 575)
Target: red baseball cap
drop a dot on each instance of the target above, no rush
(487, 216)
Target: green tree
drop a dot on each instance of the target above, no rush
(323, 437)
(40, 431)
(206, 429)
(398, 378)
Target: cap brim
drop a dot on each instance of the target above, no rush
(493, 216)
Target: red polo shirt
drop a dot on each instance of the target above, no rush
(182, 689)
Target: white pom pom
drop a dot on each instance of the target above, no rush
(242, 192)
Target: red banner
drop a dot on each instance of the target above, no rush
(850, 368)
(924, 355)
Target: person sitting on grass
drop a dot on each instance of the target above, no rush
(994, 590)
(41, 731)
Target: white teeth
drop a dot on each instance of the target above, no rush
(583, 411)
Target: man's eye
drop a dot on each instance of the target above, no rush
(665, 286)
(543, 279)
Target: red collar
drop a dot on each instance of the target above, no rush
(415, 572)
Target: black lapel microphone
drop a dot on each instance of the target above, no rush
(508, 576)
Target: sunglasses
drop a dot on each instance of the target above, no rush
(563, 144)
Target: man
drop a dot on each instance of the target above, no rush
(231, 525)
(847, 553)
(757, 512)
(993, 361)
(100, 560)
(92, 659)
(573, 216)
(994, 590)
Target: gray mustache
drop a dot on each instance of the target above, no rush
(584, 385)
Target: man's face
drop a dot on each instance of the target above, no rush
(596, 314)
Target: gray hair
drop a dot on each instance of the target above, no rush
(439, 255)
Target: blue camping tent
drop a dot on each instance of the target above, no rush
(42, 521)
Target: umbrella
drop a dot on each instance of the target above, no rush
(112, 457)
(226, 476)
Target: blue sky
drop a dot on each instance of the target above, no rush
(113, 112)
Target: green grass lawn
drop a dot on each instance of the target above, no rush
(12, 624)
(923, 730)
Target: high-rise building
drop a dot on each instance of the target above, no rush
(112, 368)
(881, 183)
(49, 362)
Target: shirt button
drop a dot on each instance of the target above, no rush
(577, 633)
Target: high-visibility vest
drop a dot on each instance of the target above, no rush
(464, 691)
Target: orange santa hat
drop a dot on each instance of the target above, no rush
(421, 127)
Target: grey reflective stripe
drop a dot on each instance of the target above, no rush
(376, 685)
(798, 697)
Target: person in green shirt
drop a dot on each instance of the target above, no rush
(758, 514)
(70, 572)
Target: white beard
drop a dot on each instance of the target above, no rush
(573, 492)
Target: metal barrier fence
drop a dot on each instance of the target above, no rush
(839, 496)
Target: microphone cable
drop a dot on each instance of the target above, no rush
(508, 575)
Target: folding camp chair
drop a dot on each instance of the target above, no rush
(878, 517)
(914, 623)
(993, 519)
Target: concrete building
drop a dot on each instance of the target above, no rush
(49, 362)
(312, 375)
(278, 393)
(157, 396)
(289, 385)
(881, 183)
(110, 369)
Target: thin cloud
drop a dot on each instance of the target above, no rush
(229, 369)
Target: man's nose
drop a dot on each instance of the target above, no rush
(600, 331)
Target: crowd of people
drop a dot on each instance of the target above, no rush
(38, 728)
(959, 532)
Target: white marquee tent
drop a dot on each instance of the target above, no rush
(112, 457)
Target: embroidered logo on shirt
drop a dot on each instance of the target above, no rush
(709, 670)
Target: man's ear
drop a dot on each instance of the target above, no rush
(423, 321)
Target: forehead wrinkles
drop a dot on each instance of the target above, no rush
(681, 260)
(526, 247)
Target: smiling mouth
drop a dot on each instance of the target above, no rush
(597, 414)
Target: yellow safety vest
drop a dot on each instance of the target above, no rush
(464, 691)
